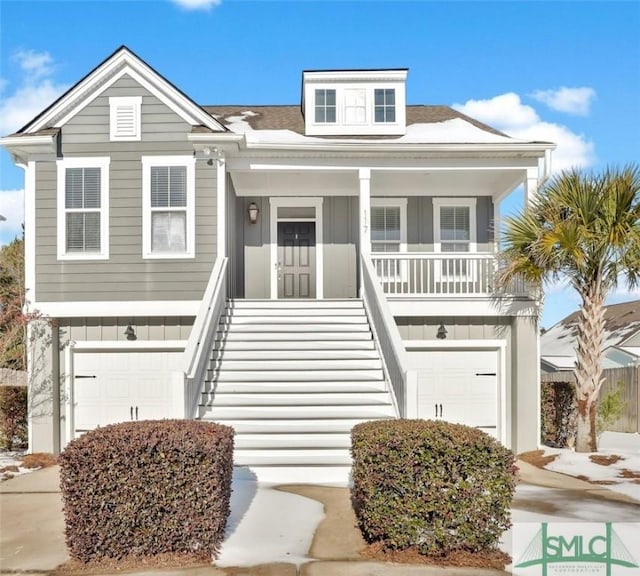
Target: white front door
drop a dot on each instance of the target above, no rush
(458, 386)
(112, 387)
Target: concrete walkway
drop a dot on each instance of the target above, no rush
(32, 529)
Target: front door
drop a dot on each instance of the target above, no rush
(296, 260)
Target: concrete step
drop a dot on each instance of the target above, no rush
(291, 328)
(268, 400)
(287, 346)
(297, 457)
(269, 441)
(324, 355)
(257, 425)
(221, 413)
(288, 336)
(329, 387)
(293, 375)
(297, 365)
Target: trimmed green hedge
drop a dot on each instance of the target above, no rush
(432, 485)
(147, 488)
(13, 417)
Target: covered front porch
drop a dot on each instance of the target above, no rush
(429, 228)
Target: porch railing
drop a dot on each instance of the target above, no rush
(436, 274)
(392, 351)
(197, 354)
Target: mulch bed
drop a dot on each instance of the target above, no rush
(537, 458)
(111, 565)
(495, 559)
(604, 460)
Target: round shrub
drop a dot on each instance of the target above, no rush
(147, 488)
(432, 485)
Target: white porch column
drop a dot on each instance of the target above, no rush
(221, 204)
(365, 211)
(530, 185)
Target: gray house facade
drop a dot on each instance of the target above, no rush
(288, 270)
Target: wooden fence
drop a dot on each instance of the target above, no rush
(630, 396)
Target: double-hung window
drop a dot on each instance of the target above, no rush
(385, 105)
(83, 208)
(325, 106)
(168, 220)
(355, 106)
(455, 231)
(389, 234)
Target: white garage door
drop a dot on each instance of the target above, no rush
(112, 387)
(458, 386)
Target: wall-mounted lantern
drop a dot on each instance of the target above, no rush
(253, 212)
(442, 332)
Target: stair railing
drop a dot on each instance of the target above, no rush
(394, 356)
(197, 354)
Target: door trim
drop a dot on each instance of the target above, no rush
(500, 346)
(276, 202)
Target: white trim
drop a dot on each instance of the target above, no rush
(128, 345)
(461, 305)
(104, 76)
(221, 205)
(364, 210)
(102, 309)
(68, 392)
(276, 202)
(116, 102)
(162, 161)
(446, 202)
(501, 347)
(83, 162)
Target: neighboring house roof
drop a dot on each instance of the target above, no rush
(622, 323)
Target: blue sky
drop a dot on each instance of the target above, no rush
(567, 72)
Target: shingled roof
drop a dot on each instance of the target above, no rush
(289, 117)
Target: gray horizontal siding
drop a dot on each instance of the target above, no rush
(126, 275)
(458, 328)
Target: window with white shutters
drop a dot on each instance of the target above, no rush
(83, 224)
(125, 118)
(168, 219)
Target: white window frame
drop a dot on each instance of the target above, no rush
(335, 106)
(385, 105)
(114, 103)
(442, 272)
(103, 164)
(189, 162)
(401, 203)
(439, 203)
(362, 92)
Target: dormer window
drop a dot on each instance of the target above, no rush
(325, 106)
(354, 102)
(385, 105)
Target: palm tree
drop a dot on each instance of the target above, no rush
(583, 228)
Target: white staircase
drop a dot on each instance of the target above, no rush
(292, 377)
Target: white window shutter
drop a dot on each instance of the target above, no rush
(125, 117)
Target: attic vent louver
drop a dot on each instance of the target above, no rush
(125, 117)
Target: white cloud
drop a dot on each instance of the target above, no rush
(197, 4)
(12, 208)
(32, 93)
(571, 100)
(507, 113)
(34, 64)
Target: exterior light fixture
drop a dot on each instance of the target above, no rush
(442, 332)
(130, 333)
(253, 212)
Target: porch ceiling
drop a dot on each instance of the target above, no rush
(480, 182)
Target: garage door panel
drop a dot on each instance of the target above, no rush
(113, 384)
(463, 381)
